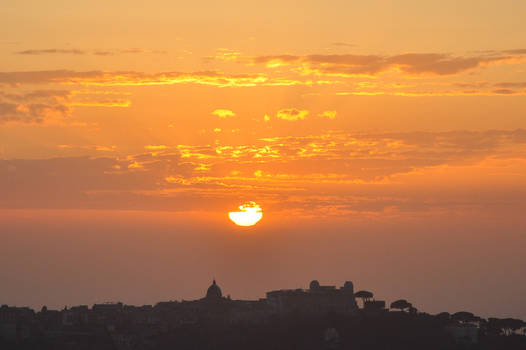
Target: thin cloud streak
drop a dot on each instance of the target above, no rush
(411, 64)
(36, 52)
(131, 78)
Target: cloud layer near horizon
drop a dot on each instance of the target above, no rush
(403, 75)
(365, 174)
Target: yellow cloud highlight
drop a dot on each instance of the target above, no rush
(328, 114)
(89, 147)
(292, 114)
(223, 113)
(177, 180)
(155, 147)
(106, 78)
(135, 165)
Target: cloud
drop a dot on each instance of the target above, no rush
(440, 64)
(51, 51)
(431, 88)
(291, 114)
(31, 113)
(41, 105)
(108, 102)
(54, 95)
(131, 78)
(328, 114)
(516, 51)
(430, 93)
(339, 172)
(224, 55)
(103, 53)
(439, 92)
(155, 147)
(412, 64)
(98, 52)
(134, 50)
(520, 84)
(98, 148)
(327, 65)
(139, 50)
(275, 61)
(33, 107)
(409, 64)
(223, 113)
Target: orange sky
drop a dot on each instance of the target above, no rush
(353, 119)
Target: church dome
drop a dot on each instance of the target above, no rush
(214, 292)
(314, 285)
(348, 287)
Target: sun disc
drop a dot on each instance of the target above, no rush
(249, 214)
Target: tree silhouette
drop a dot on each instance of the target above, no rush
(364, 295)
(463, 316)
(402, 304)
(443, 316)
(510, 325)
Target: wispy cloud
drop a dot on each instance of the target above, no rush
(155, 147)
(131, 78)
(97, 52)
(328, 114)
(223, 54)
(42, 105)
(98, 148)
(498, 89)
(223, 113)
(51, 51)
(413, 64)
(292, 114)
(343, 44)
(31, 113)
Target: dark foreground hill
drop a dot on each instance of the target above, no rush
(383, 331)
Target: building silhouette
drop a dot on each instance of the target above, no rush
(316, 299)
(288, 314)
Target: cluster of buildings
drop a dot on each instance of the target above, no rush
(117, 318)
(126, 326)
(316, 299)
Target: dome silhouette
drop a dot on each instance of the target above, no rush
(314, 285)
(214, 292)
(348, 285)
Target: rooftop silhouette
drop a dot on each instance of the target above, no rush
(319, 317)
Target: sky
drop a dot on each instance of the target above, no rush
(385, 143)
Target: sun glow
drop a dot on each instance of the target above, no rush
(249, 214)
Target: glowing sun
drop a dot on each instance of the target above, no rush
(249, 214)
